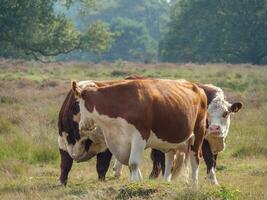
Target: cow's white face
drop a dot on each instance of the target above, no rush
(218, 118)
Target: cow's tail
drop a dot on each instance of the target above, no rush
(76, 89)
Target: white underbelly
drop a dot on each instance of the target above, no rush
(120, 145)
(157, 143)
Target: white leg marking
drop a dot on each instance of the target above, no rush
(169, 158)
(117, 168)
(137, 149)
(212, 177)
(195, 169)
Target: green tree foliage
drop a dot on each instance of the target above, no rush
(153, 13)
(139, 24)
(216, 31)
(31, 29)
(132, 43)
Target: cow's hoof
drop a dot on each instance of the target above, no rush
(216, 184)
(153, 176)
(117, 175)
(101, 178)
(213, 181)
(62, 183)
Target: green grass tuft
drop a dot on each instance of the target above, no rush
(134, 191)
(43, 154)
(8, 100)
(227, 194)
(221, 193)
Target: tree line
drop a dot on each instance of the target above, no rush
(200, 31)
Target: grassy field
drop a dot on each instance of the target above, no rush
(31, 95)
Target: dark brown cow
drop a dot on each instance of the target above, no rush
(72, 146)
(219, 110)
(136, 114)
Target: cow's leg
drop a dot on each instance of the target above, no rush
(137, 148)
(207, 155)
(210, 161)
(195, 167)
(158, 159)
(199, 132)
(214, 178)
(102, 164)
(169, 158)
(65, 166)
(162, 162)
(117, 168)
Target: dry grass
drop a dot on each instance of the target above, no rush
(31, 95)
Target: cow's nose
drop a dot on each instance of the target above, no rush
(214, 128)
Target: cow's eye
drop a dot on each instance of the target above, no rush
(224, 114)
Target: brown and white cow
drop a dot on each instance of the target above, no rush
(217, 128)
(82, 146)
(136, 114)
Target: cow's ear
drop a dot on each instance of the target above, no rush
(76, 89)
(235, 107)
